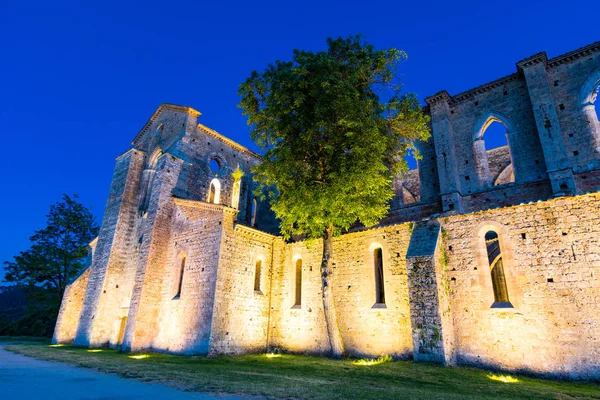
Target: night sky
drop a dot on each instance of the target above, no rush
(78, 82)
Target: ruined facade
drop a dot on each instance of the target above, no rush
(488, 257)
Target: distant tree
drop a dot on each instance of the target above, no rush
(58, 252)
(331, 145)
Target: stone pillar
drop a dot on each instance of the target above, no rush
(428, 176)
(482, 165)
(444, 147)
(431, 319)
(110, 251)
(560, 170)
(593, 126)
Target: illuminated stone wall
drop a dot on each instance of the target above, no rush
(551, 255)
(70, 310)
(367, 328)
(241, 325)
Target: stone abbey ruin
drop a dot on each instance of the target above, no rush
(488, 257)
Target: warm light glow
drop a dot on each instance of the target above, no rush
(139, 356)
(366, 362)
(94, 351)
(56, 345)
(272, 355)
(503, 378)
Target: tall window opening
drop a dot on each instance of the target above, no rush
(253, 212)
(235, 195)
(178, 283)
(379, 282)
(257, 275)
(214, 192)
(409, 184)
(493, 153)
(298, 283)
(494, 252)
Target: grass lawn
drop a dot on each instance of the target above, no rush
(303, 377)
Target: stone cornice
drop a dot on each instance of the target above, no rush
(439, 96)
(575, 54)
(539, 58)
(253, 232)
(485, 87)
(228, 141)
(164, 106)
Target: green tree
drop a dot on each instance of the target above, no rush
(58, 252)
(331, 145)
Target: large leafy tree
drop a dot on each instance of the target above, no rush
(58, 252)
(334, 129)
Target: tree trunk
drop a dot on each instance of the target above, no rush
(333, 328)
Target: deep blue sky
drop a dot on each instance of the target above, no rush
(77, 82)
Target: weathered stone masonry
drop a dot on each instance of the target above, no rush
(187, 261)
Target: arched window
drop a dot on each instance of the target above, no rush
(235, 195)
(494, 253)
(253, 212)
(379, 282)
(409, 185)
(214, 192)
(257, 275)
(178, 275)
(492, 153)
(298, 283)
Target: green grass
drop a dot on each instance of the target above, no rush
(302, 377)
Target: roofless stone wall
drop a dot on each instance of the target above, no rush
(469, 267)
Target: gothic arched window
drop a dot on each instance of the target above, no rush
(492, 243)
(214, 192)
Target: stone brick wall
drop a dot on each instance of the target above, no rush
(70, 310)
(551, 258)
(184, 321)
(243, 312)
(367, 328)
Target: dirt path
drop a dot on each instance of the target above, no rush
(26, 378)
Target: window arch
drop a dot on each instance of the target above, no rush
(491, 147)
(496, 264)
(257, 275)
(178, 272)
(214, 191)
(298, 283)
(379, 281)
(235, 194)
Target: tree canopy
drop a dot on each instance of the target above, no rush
(330, 143)
(58, 252)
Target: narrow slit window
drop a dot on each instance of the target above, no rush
(257, 275)
(298, 286)
(379, 285)
(253, 215)
(495, 261)
(180, 277)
